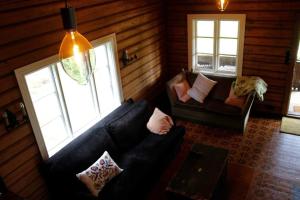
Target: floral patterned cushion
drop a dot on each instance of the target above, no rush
(100, 173)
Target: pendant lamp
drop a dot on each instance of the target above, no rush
(222, 4)
(76, 53)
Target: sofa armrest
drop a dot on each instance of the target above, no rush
(248, 104)
(171, 95)
(170, 87)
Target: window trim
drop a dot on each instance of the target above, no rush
(22, 71)
(191, 19)
(298, 53)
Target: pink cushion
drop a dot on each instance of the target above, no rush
(234, 100)
(181, 90)
(159, 122)
(201, 88)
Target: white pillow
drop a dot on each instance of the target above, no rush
(100, 173)
(201, 88)
(159, 122)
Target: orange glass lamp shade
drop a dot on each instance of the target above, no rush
(76, 53)
(222, 4)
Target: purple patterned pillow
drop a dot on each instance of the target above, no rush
(100, 173)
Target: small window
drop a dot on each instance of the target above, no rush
(59, 108)
(216, 43)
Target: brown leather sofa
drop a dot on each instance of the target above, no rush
(213, 111)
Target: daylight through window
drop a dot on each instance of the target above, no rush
(59, 108)
(216, 43)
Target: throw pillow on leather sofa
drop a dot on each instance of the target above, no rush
(213, 111)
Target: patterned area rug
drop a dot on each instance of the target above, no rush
(264, 164)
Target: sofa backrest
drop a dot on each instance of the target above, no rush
(94, 137)
(220, 91)
(129, 128)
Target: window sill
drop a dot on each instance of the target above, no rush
(216, 74)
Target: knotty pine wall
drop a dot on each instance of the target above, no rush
(270, 32)
(32, 30)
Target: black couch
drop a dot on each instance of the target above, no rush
(213, 111)
(124, 135)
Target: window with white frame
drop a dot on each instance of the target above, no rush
(215, 43)
(59, 108)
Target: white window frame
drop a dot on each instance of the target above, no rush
(23, 71)
(191, 21)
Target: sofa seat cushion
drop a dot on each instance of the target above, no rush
(129, 128)
(154, 147)
(191, 104)
(220, 107)
(142, 165)
(211, 105)
(130, 183)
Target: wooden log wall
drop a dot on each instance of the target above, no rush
(270, 32)
(296, 78)
(32, 30)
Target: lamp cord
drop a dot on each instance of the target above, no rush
(66, 3)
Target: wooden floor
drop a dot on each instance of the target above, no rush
(264, 164)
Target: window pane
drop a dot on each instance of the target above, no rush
(205, 62)
(104, 78)
(79, 101)
(54, 133)
(205, 45)
(229, 29)
(47, 107)
(101, 55)
(205, 28)
(46, 104)
(228, 46)
(227, 63)
(40, 83)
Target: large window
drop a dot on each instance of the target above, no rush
(59, 108)
(215, 43)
